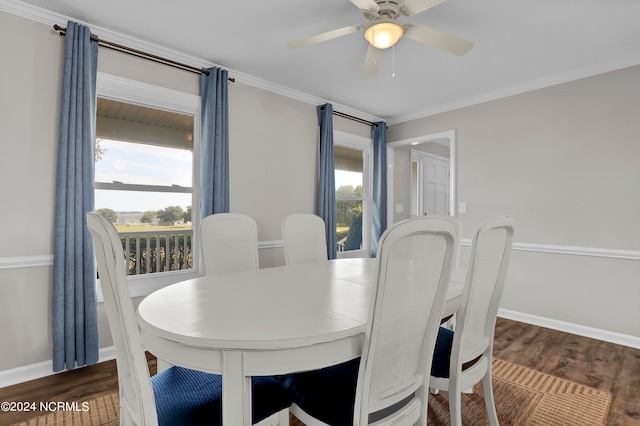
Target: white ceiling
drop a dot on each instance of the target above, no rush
(519, 45)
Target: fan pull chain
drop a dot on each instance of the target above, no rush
(393, 57)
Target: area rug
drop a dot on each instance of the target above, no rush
(100, 411)
(527, 397)
(523, 397)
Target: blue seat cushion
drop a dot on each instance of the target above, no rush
(442, 353)
(189, 397)
(327, 394)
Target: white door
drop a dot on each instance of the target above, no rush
(435, 185)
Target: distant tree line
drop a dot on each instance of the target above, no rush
(346, 210)
(169, 215)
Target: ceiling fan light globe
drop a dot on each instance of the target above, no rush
(383, 35)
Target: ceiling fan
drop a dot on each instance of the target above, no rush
(384, 30)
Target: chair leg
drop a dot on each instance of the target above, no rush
(284, 417)
(489, 403)
(281, 418)
(455, 407)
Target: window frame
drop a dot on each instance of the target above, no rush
(135, 92)
(351, 141)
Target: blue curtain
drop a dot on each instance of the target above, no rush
(326, 203)
(74, 304)
(379, 209)
(214, 185)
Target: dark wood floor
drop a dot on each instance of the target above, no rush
(601, 365)
(605, 366)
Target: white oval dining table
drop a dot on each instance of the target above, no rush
(265, 322)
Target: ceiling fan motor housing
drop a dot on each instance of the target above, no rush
(387, 9)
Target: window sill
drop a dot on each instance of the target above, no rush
(144, 285)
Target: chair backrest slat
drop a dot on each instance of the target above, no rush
(414, 265)
(136, 393)
(304, 239)
(488, 264)
(229, 243)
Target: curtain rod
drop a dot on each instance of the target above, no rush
(351, 117)
(140, 54)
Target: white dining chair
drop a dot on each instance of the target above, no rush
(229, 243)
(389, 383)
(304, 238)
(177, 396)
(463, 355)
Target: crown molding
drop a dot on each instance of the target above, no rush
(600, 68)
(30, 12)
(49, 18)
(46, 17)
(300, 96)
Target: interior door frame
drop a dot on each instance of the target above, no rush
(449, 135)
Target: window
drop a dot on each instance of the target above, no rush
(352, 158)
(144, 177)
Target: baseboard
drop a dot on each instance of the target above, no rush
(567, 327)
(42, 369)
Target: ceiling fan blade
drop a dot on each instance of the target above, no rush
(413, 7)
(324, 36)
(436, 38)
(372, 62)
(366, 4)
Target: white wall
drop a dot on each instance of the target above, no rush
(273, 156)
(272, 161)
(29, 80)
(563, 161)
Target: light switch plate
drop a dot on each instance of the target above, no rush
(462, 207)
(399, 208)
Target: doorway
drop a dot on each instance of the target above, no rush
(430, 183)
(402, 196)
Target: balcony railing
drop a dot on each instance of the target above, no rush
(157, 251)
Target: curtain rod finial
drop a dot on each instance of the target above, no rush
(61, 30)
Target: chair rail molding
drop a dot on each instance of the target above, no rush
(25, 261)
(47, 260)
(571, 250)
(270, 244)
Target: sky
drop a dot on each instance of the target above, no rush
(348, 178)
(136, 163)
(142, 164)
